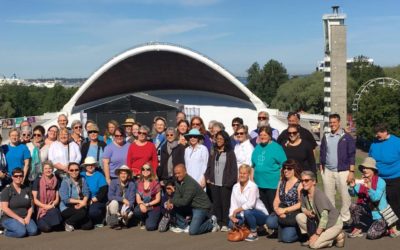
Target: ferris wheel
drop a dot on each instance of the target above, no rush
(381, 81)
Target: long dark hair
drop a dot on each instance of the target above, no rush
(227, 140)
(291, 164)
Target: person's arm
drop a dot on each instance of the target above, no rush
(156, 200)
(106, 169)
(6, 209)
(352, 157)
(37, 202)
(101, 194)
(54, 151)
(376, 195)
(75, 152)
(113, 192)
(131, 194)
(183, 199)
(248, 153)
(28, 215)
(276, 202)
(204, 161)
(154, 158)
(26, 168)
(296, 206)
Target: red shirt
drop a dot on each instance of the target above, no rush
(139, 155)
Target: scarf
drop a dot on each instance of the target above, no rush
(170, 147)
(48, 192)
(363, 197)
(36, 164)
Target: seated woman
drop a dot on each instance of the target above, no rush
(121, 196)
(98, 191)
(46, 198)
(287, 203)
(148, 198)
(246, 205)
(74, 194)
(17, 206)
(371, 196)
(317, 210)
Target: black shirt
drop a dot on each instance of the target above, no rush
(19, 203)
(303, 154)
(304, 134)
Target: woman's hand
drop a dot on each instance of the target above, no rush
(234, 219)
(126, 202)
(313, 238)
(352, 183)
(26, 220)
(143, 208)
(309, 213)
(20, 220)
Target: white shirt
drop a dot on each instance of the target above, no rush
(248, 199)
(196, 160)
(243, 152)
(58, 153)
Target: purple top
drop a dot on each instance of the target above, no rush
(117, 156)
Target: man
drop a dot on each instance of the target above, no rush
(236, 122)
(128, 128)
(293, 118)
(62, 121)
(263, 120)
(386, 151)
(337, 157)
(189, 199)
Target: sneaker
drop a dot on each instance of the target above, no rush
(224, 229)
(69, 228)
(100, 225)
(339, 241)
(268, 230)
(356, 233)
(176, 230)
(186, 230)
(215, 224)
(252, 237)
(1, 232)
(393, 233)
(305, 243)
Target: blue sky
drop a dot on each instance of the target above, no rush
(73, 38)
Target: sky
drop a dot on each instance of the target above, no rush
(73, 38)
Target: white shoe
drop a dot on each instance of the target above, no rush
(186, 230)
(69, 228)
(224, 229)
(176, 230)
(215, 224)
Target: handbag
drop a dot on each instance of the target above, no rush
(312, 225)
(389, 216)
(238, 233)
(290, 219)
(164, 222)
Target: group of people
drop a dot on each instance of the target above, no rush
(193, 180)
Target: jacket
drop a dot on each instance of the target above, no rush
(65, 192)
(230, 171)
(115, 192)
(188, 193)
(178, 156)
(346, 151)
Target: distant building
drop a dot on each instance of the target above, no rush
(349, 63)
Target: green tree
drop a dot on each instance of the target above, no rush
(265, 83)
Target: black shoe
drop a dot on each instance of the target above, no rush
(273, 234)
(347, 225)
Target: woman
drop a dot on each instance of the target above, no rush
(108, 136)
(244, 148)
(87, 124)
(158, 133)
(300, 150)
(246, 206)
(46, 198)
(148, 198)
(197, 123)
(62, 152)
(26, 134)
(182, 128)
(98, 190)
(221, 175)
(17, 154)
(37, 155)
(135, 130)
(287, 203)
(371, 193)
(74, 195)
(141, 152)
(267, 159)
(76, 134)
(115, 154)
(51, 136)
(121, 196)
(196, 157)
(17, 206)
(172, 153)
(316, 208)
(93, 147)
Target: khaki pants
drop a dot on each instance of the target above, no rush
(337, 181)
(326, 238)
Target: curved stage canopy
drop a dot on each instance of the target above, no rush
(158, 66)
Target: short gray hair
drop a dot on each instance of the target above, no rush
(309, 174)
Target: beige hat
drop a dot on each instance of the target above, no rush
(123, 168)
(128, 122)
(368, 162)
(92, 127)
(90, 160)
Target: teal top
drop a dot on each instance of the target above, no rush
(267, 163)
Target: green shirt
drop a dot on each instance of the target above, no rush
(189, 193)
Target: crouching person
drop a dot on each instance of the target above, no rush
(46, 198)
(121, 196)
(17, 206)
(190, 200)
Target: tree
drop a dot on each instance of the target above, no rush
(265, 83)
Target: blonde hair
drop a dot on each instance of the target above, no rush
(152, 176)
(246, 167)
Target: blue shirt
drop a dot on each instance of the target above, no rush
(94, 182)
(387, 156)
(332, 141)
(92, 151)
(15, 156)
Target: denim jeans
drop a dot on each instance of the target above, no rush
(200, 223)
(285, 234)
(150, 219)
(252, 217)
(16, 229)
(97, 212)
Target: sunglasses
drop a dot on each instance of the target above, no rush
(18, 176)
(37, 135)
(118, 136)
(76, 127)
(235, 124)
(262, 118)
(92, 132)
(145, 169)
(239, 133)
(193, 136)
(288, 168)
(142, 133)
(170, 134)
(305, 180)
(196, 124)
(74, 170)
(293, 133)
(26, 135)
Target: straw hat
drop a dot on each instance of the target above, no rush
(128, 122)
(90, 160)
(123, 168)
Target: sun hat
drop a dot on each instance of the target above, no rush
(128, 122)
(368, 162)
(193, 132)
(123, 168)
(90, 160)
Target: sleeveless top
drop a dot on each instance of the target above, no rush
(291, 197)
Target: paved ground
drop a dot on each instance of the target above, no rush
(134, 238)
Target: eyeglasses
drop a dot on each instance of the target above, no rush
(196, 124)
(18, 176)
(305, 180)
(92, 132)
(74, 170)
(37, 135)
(170, 134)
(118, 136)
(142, 133)
(262, 118)
(76, 127)
(53, 131)
(145, 169)
(288, 168)
(235, 124)
(239, 133)
(26, 135)
(293, 133)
